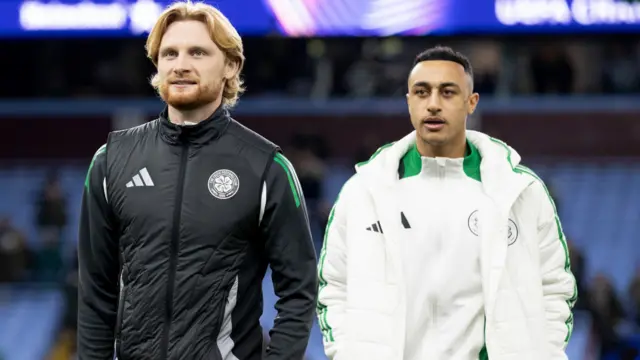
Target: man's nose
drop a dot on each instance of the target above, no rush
(182, 65)
(434, 105)
(180, 72)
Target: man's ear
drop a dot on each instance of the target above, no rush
(231, 69)
(473, 102)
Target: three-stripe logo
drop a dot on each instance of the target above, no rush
(142, 178)
(376, 227)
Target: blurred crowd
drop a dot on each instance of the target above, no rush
(42, 260)
(615, 313)
(46, 262)
(333, 67)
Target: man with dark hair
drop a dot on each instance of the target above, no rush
(442, 246)
(443, 53)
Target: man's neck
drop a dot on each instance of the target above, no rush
(454, 149)
(189, 117)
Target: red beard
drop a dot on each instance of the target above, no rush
(191, 97)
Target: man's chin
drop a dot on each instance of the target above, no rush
(434, 137)
(184, 101)
(184, 105)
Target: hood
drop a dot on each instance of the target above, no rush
(497, 167)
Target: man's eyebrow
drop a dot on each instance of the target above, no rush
(199, 48)
(441, 85)
(189, 48)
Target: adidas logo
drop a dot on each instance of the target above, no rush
(142, 178)
(405, 222)
(376, 227)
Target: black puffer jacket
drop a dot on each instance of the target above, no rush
(178, 226)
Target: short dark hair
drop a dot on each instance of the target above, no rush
(445, 53)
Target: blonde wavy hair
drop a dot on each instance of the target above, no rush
(222, 32)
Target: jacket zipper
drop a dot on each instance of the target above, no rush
(175, 237)
(433, 323)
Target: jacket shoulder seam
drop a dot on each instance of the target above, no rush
(260, 143)
(117, 135)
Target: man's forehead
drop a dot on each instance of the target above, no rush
(437, 72)
(176, 34)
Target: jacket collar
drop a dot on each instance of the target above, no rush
(198, 134)
(411, 163)
(497, 168)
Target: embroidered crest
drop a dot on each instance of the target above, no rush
(473, 224)
(512, 233)
(223, 184)
(512, 228)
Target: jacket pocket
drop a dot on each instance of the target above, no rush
(214, 354)
(222, 343)
(120, 316)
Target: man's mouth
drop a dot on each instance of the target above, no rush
(183, 82)
(433, 121)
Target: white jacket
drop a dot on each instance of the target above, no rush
(528, 287)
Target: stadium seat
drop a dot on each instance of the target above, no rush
(30, 318)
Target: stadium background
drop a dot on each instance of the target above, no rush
(559, 81)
